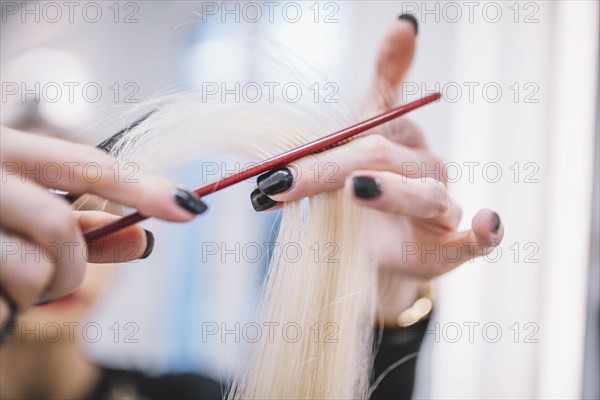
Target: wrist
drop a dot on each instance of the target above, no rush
(403, 301)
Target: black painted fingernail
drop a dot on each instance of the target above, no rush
(411, 19)
(261, 201)
(497, 224)
(276, 181)
(149, 244)
(189, 201)
(366, 187)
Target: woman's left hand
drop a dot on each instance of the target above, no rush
(395, 173)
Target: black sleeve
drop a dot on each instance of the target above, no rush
(396, 351)
(392, 346)
(116, 384)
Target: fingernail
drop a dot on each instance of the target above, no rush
(496, 226)
(261, 201)
(366, 187)
(149, 244)
(411, 19)
(276, 181)
(189, 201)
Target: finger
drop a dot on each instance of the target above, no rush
(450, 220)
(328, 170)
(397, 194)
(48, 223)
(393, 61)
(485, 234)
(128, 244)
(78, 169)
(406, 133)
(262, 202)
(27, 270)
(443, 253)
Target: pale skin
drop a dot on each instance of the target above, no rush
(30, 215)
(52, 369)
(44, 252)
(412, 209)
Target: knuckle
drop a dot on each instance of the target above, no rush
(89, 168)
(433, 166)
(58, 224)
(401, 129)
(436, 201)
(440, 165)
(31, 280)
(34, 283)
(145, 195)
(440, 199)
(406, 132)
(379, 149)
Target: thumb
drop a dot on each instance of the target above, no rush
(128, 244)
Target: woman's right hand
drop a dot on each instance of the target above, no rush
(43, 250)
(415, 233)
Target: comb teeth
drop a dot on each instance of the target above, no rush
(343, 142)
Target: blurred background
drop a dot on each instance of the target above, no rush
(518, 123)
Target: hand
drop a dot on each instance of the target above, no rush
(43, 250)
(414, 213)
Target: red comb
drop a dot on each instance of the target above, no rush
(273, 162)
